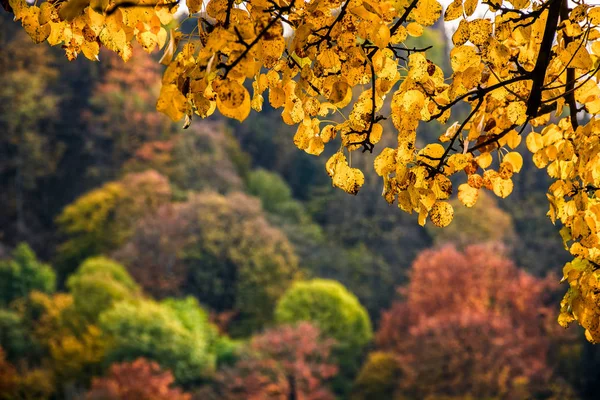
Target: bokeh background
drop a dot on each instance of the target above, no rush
(143, 261)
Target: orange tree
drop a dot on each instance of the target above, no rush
(525, 63)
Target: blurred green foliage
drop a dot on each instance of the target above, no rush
(161, 332)
(98, 284)
(22, 273)
(377, 378)
(331, 307)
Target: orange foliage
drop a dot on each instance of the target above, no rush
(471, 323)
(137, 380)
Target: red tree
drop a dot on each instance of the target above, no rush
(290, 362)
(137, 380)
(471, 323)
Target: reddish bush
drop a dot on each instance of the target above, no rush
(283, 363)
(137, 380)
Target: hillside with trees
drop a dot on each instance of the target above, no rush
(159, 240)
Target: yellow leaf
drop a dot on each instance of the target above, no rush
(376, 132)
(315, 146)
(427, 12)
(431, 154)
(381, 36)
(90, 50)
(459, 161)
(513, 139)
(57, 30)
(502, 187)
(534, 142)
(454, 11)
(417, 67)
(467, 195)
(463, 57)
(348, 179)
(441, 214)
(194, 6)
(516, 112)
(385, 162)
(328, 133)
(72, 9)
(484, 160)
(576, 56)
(594, 15)
(470, 6)
(461, 35)
(515, 159)
(233, 99)
(171, 102)
(414, 29)
(480, 31)
(30, 18)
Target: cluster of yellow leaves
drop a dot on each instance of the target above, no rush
(582, 300)
(572, 158)
(82, 27)
(336, 69)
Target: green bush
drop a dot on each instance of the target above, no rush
(270, 188)
(23, 273)
(98, 284)
(148, 329)
(331, 307)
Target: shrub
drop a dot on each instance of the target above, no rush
(23, 273)
(331, 307)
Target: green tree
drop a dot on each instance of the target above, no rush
(15, 337)
(221, 249)
(23, 273)
(331, 307)
(155, 331)
(338, 314)
(270, 188)
(98, 284)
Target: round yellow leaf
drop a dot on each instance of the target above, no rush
(502, 187)
(414, 29)
(454, 11)
(441, 214)
(515, 159)
(484, 160)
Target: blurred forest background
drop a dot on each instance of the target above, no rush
(142, 261)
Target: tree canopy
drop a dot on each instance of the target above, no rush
(331, 307)
(517, 66)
